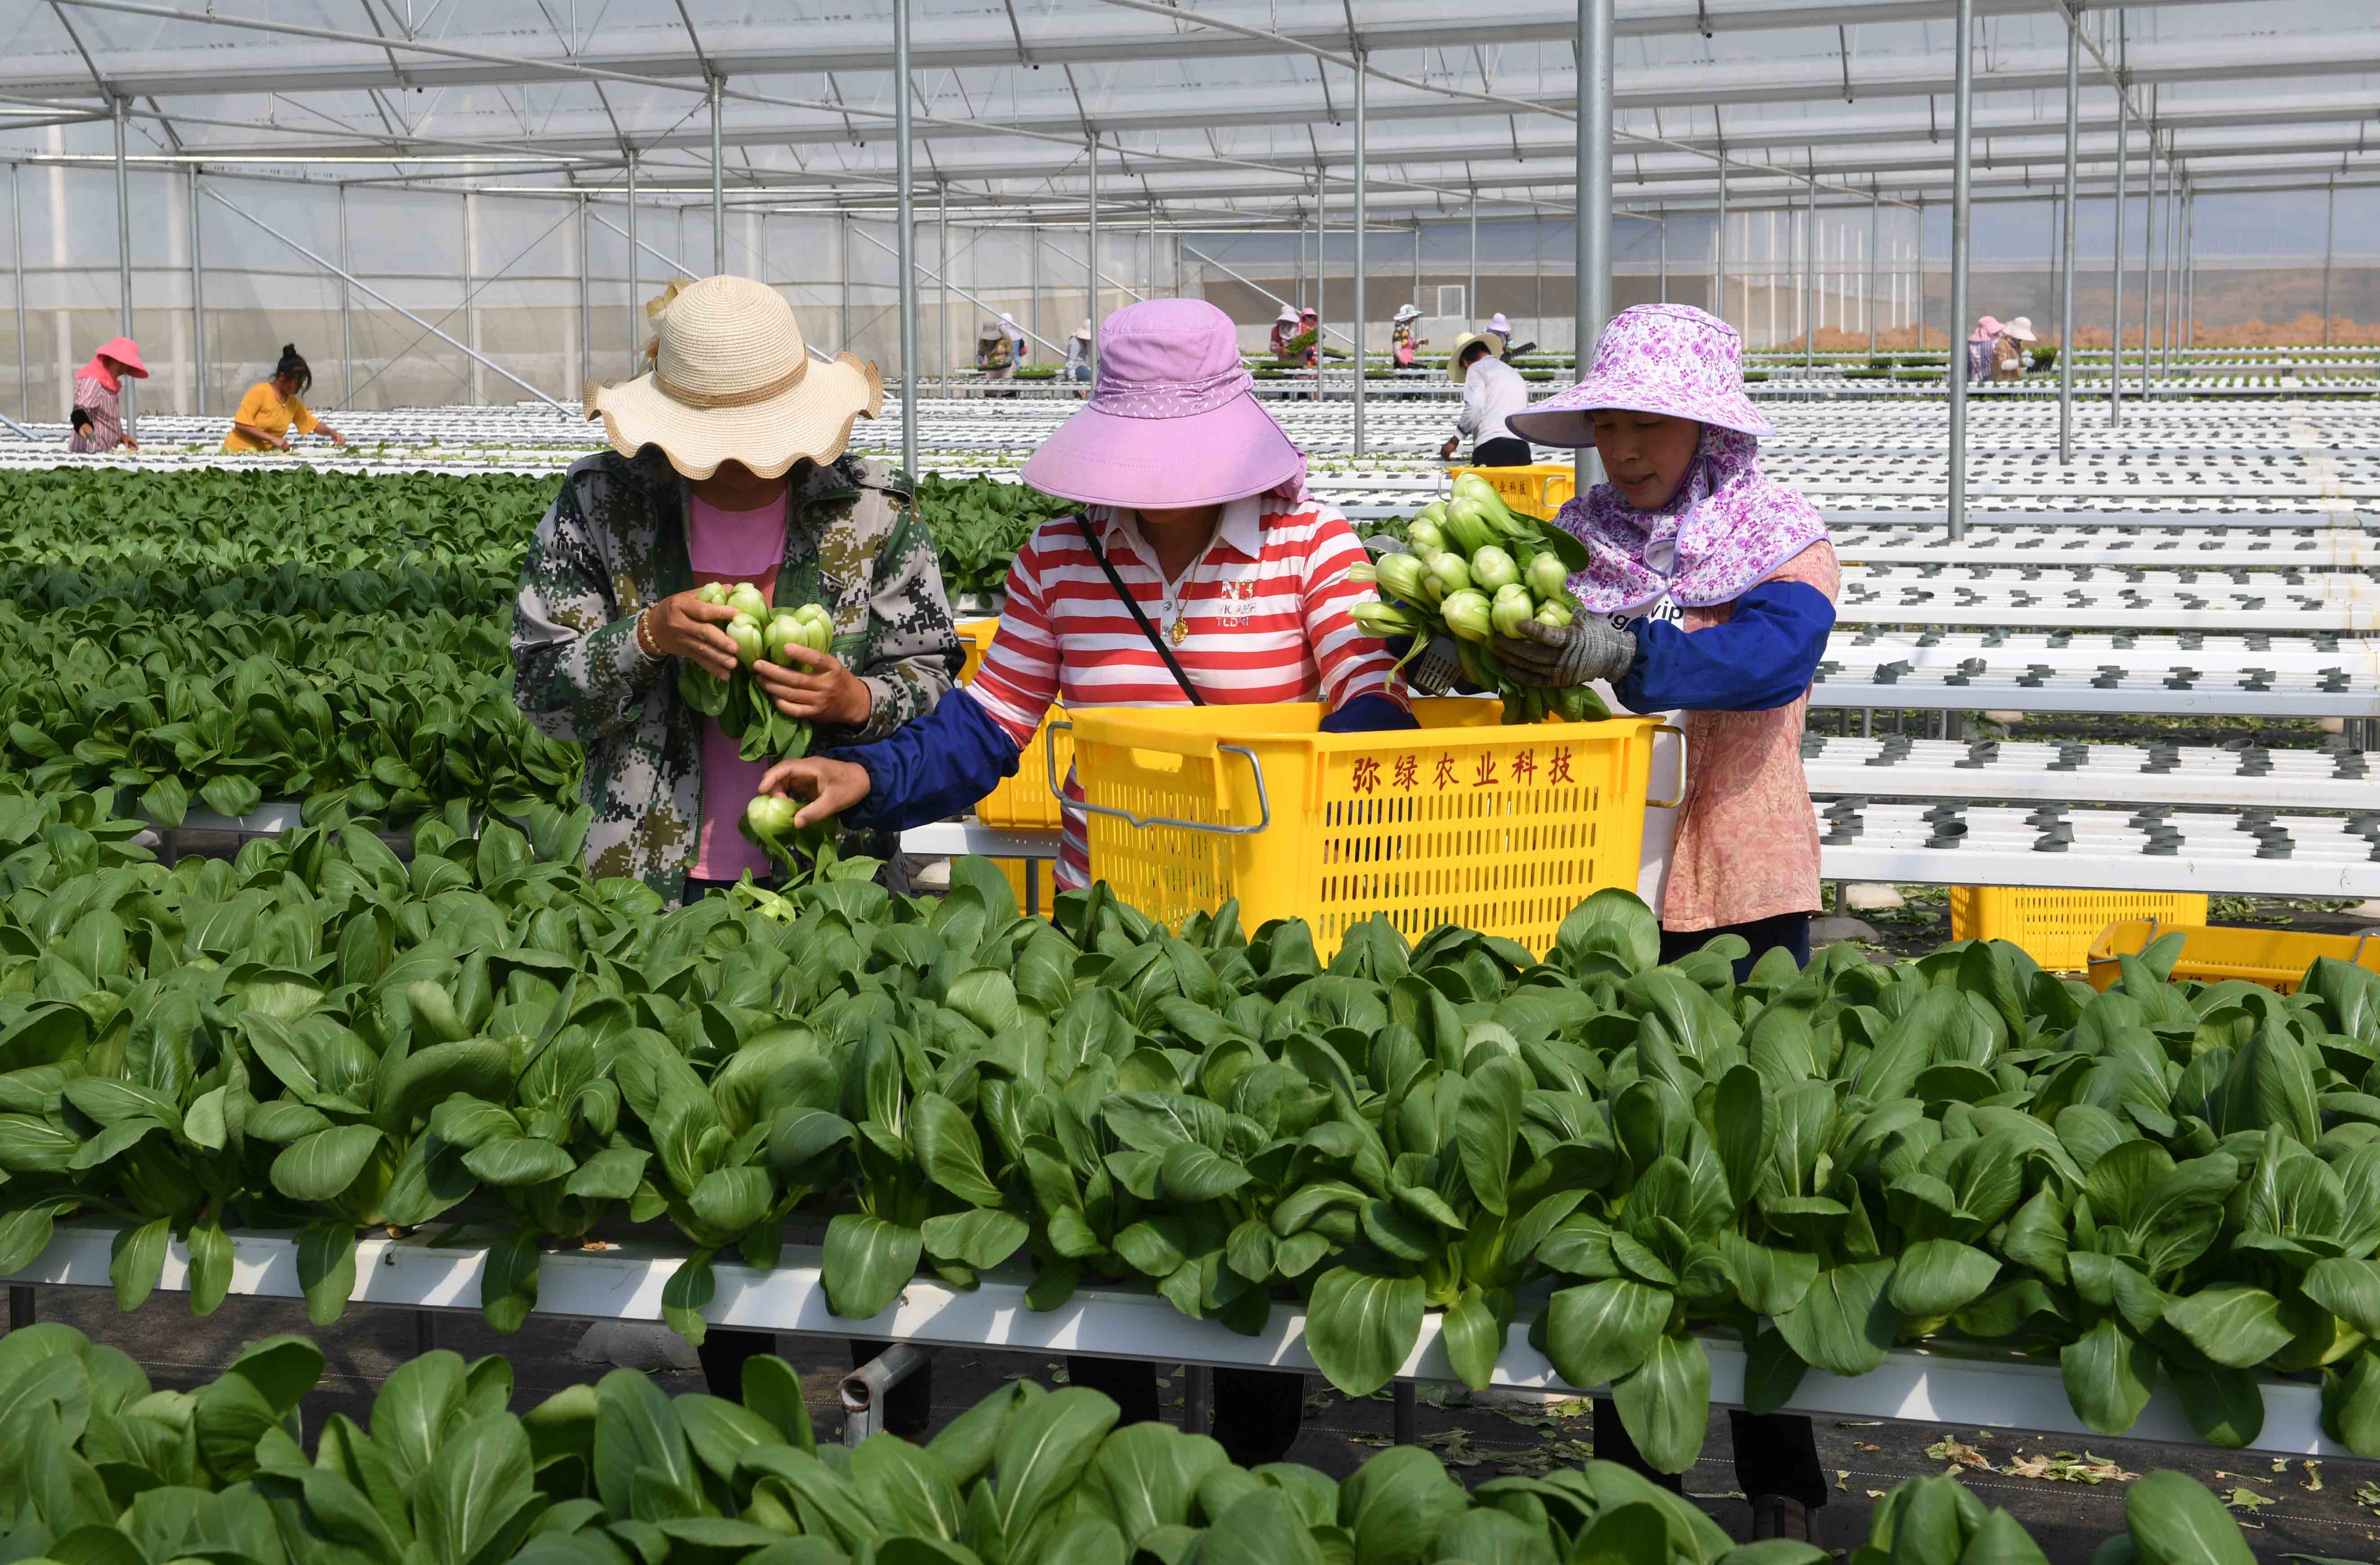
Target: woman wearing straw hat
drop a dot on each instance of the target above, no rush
(727, 462)
(1402, 341)
(1199, 572)
(1493, 391)
(1982, 344)
(98, 423)
(1710, 588)
(995, 355)
(2008, 352)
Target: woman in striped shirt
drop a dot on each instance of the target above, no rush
(98, 421)
(1195, 502)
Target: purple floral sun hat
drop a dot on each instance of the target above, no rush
(1668, 358)
(1174, 421)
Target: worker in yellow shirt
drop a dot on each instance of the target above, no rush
(270, 409)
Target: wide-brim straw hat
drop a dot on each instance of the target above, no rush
(1455, 368)
(1668, 358)
(1288, 316)
(1174, 421)
(2020, 329)
(734, 381)
(1408, 312)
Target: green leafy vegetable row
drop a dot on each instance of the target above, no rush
(442, 1472)
(289, 541)
(377, 716)
(2166, 1183)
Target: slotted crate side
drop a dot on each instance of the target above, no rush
(1537, 489)
(2056, 927)
(1501, 830)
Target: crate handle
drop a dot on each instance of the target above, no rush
(1264, 804)
(1672, 804)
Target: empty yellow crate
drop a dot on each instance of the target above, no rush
(2210, 953)
(1539, 490)
(1023, 800)
(1464, 821)
(2054, 927)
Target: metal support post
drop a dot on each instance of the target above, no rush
(1091, 239)
(1322, 281)
(907, 256)
(942, 309)
(1874, 219)
(2066, 343)
(1810, 271)
(843, 281)
(1718, 246)
(2148, 263)
(2172, 233)
(586, 317)
(1961, 203)
(1033, 280)
(2329, 228)
(16, 248)
(131, 395)
(1197, 1398)
(1363, 365)
(1662, 261)
(346, 313)
(1594, 189)
(636, 306)
(1471, 286)
(570, 410)
(2190, 270)
(2116, 309)
(718, 187)
(865, 1389)
(471, 291)
(1417, 259)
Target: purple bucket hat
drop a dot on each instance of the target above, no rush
(1174, 421)
(1667, 358)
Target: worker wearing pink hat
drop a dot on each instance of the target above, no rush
(98, 421)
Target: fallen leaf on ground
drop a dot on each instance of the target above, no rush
(2066, 1467)
(1957, 1452)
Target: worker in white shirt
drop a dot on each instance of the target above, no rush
(1491, 390)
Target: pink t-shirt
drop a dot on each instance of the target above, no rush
(731, 546)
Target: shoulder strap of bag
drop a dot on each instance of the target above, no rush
(1139, 617)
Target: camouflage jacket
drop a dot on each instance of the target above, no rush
(613, 541)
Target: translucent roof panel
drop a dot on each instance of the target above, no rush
(1206, 111)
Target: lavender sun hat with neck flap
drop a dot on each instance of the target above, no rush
(1667, 358)
(1729, 525)
(1174, 421)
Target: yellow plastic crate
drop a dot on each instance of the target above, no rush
(1022, 801)
(2212, 953)
(1466, 821)
(2054, 927)
(1539, 490)
(975, 636)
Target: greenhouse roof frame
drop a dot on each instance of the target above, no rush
(1483, 102)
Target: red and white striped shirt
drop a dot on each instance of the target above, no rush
(1265, 612)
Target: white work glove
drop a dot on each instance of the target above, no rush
(1557, 656)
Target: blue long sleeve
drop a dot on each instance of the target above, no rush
(1764, 657)
(1372, 713)
(931, 769)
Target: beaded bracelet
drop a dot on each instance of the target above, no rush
(644, 642)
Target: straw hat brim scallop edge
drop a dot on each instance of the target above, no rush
(810, 420)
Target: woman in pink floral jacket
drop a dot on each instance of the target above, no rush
(1712, 590)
